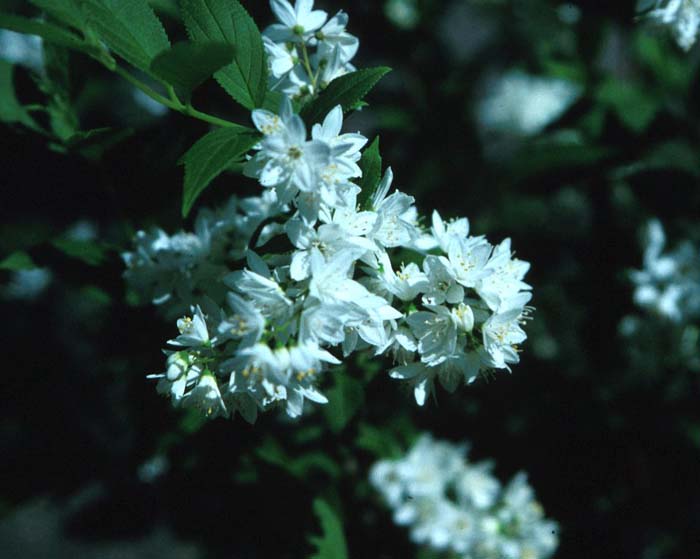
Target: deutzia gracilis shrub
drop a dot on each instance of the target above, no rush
(329, 260)
(452, 505)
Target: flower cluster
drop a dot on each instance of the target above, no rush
(317, 277)
(305, 49)
(669, 284)
(453, 505)
(681, 16)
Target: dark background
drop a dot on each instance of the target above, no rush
(607, 427)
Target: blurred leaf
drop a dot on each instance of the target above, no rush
(210, 156)
(226, 21)
(66, 11)
(344, 400)
(380, 442)
(347, 91)
(371, 165)
(168, 7)
(130, 28)
(10, 108)
(18, 260)
(331, 543)
(93, 143)
(670, 70)
(87, 251)
(187, 65)
(47, 31)
(634, 105)
(674, 155)
(272, 452)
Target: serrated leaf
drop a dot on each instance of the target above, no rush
(331, 543)
(18, 260)
(344, 401)
(227, 21)
(66, 11)
(210, 156)
(347, 91)
(371, 165)
(47, 31)
(11, 110)
(130, 28)
(188, 65)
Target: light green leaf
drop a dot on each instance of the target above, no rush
(347, 91)
(331, 543)
(371, 165)
(10, 108)
(227, 21)
(130, 28)
(210, 156)
(66, 11)
(18, 260)
(47, 31)
(187, 65)
(344, 401)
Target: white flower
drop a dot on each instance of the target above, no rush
(407, 284)
(504, 279)
(286, 160)
(246, 323)
(468, 258)
(333, 35)
(193, 330)
(445, 234)
(436, 333)
(280, 57)
(206, 397)
(502, 334)
(461, 509)
(683, 16)
(443, 286)
(297, 24)
(393, 227)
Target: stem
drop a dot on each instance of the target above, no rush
(173, 103)
(307, 65)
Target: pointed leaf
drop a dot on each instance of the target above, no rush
(130, 28)
(65, 11)
(371, 165)
(47, 31)
(331, 543)
(187, 65)
(18, 260)
(227, 21)
(212, 155)
(348, 91)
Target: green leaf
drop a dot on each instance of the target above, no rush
(47, 31)
(227, 21)
(347, 91)
(210, 156)
(634, 105)
(18, 260)
(11, 109)
(130, 28)
(187, 65)
(88, 251)
(345, 399)
(66, 11)
(302, 467)
(331, 543)
(371, 165)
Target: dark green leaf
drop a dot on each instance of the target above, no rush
(210, 156)
(88, 251)
(227, 21)
(371, 165)
(187, 65)
(272, 452)
(66, 11)
(347, 91)
(10, 108)
(634, 105)
(47, 31)
(130, 28)
(18, 260)
(331, 543)
(344, 401)
(93, 143)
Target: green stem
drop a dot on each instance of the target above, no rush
(173, 103)
(307, 65)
